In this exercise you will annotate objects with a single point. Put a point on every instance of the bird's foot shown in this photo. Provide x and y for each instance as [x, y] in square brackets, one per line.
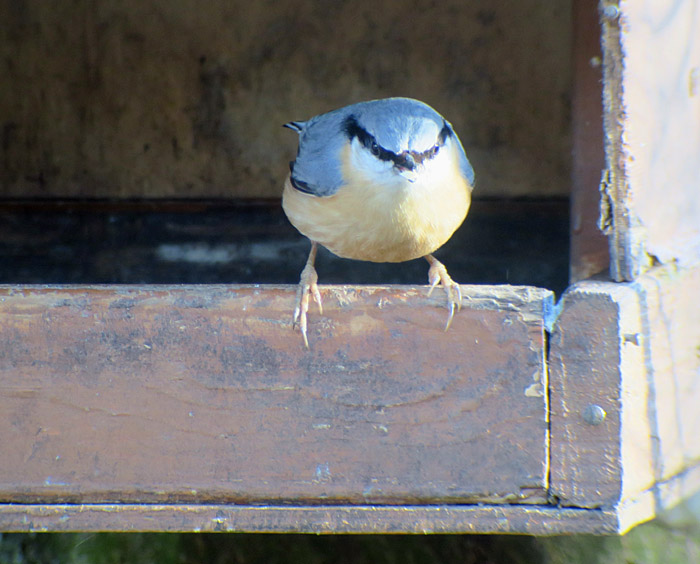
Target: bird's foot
[307, 288]
[437, 274]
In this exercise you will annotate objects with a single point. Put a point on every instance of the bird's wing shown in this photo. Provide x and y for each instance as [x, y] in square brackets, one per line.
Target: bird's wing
[317, 167]
[464, 165]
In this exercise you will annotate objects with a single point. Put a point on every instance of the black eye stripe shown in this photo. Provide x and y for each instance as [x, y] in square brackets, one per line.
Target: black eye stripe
[445, 132]
[354, 129]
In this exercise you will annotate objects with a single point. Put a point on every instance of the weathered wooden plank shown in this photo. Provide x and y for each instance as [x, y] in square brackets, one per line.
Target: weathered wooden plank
[584, 371]
[652, 125]
[524, 519]
[589, 247]
[624, 390]
[205, 393]
[670, 307]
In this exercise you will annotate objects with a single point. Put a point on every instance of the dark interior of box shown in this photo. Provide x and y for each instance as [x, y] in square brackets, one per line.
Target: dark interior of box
[503, 242]
[142, 144]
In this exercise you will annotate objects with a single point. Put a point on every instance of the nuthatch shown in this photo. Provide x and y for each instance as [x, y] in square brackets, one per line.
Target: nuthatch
[381, 181]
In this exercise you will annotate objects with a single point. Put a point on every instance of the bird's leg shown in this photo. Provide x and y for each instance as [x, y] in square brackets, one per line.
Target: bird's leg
[437, 274]
[307, 288]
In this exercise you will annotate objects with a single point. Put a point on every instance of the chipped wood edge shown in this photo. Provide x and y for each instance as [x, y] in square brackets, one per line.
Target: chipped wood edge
[533, 303]
[627, 237]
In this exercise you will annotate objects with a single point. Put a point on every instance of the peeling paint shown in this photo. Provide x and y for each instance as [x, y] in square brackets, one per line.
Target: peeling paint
[535, 390]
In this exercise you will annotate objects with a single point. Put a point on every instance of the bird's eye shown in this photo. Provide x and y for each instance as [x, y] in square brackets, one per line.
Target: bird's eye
[374, 148]
[436, 150]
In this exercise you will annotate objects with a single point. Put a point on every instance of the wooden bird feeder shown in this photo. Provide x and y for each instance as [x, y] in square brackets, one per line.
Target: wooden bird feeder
[195, 407]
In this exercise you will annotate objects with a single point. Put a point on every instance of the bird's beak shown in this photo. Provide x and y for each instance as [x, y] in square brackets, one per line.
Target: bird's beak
[406, 167]
[410, 175]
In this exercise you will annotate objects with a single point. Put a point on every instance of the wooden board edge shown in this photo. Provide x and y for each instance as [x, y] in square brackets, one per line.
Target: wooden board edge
[653, 380]
[533, 304]
[626, 237]
[509, 519]
[483, 295]
[584, 375]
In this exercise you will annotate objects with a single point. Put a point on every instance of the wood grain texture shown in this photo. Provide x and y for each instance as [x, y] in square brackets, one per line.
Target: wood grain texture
[206, 394]
[632, 349]
[589, 246]
[671, 323]
[585, 370]
[652, 125]
[524, 519]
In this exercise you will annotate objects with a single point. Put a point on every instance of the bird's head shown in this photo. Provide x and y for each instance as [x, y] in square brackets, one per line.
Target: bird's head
[387, 142]
[398, 137]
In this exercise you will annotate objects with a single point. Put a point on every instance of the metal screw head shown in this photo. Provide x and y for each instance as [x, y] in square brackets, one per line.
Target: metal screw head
[594, 414]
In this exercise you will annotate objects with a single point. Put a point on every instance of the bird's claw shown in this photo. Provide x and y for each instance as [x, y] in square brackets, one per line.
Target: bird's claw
[437, 274]
[308, 288]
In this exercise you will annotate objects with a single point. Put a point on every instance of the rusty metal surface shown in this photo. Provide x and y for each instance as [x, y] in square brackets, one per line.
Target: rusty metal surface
[524, 519]
[206, 394]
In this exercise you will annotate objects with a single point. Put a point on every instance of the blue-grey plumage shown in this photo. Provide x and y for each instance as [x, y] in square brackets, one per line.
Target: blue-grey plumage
[383, 181]
[397, 124]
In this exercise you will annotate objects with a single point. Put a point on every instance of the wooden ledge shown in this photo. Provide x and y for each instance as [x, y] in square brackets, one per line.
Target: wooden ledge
[524, 519]
[198, 408]
[201, 394]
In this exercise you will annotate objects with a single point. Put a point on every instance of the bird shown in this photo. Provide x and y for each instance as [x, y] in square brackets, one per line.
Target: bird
[384, 180]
